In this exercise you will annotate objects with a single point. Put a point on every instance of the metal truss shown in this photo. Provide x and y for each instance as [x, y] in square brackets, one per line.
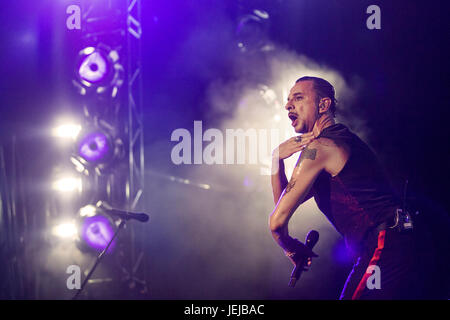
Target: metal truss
[117, 24]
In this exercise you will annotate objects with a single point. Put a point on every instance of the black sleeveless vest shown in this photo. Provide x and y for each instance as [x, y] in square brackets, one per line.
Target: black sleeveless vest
[360, 197]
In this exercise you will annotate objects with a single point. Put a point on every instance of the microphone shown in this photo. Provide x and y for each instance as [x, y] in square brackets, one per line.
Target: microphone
[124, 215]
[310, 241]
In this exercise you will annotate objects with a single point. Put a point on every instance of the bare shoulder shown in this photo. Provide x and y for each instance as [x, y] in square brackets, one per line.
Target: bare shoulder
[316, 151]
[334, 157]
[324, 143]
[322, 146]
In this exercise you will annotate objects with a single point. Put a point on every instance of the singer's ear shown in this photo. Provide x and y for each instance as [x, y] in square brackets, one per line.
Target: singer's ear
[324, 105]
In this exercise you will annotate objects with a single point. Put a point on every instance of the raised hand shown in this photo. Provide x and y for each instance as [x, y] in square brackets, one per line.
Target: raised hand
[293, 145]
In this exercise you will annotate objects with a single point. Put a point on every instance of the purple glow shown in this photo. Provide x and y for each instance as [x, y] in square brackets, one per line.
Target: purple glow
[93, 68]
[340, 253]
[94, 147]
[97, 231]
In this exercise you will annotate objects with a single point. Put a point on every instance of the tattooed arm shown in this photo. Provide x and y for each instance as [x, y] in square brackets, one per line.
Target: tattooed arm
[285, 150]
[311, 162]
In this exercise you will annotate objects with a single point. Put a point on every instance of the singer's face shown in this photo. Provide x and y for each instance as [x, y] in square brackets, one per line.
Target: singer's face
[302, 106]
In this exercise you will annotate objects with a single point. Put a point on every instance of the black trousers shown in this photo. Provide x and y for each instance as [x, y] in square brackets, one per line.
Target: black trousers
[395, 260]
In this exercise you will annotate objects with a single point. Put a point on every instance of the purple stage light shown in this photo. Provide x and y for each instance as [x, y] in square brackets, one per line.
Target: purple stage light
[99, 71]
[93, 68]
[94, 147]
[97, 231]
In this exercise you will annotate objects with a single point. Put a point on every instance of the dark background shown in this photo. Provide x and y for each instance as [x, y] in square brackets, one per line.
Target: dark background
[400, 72]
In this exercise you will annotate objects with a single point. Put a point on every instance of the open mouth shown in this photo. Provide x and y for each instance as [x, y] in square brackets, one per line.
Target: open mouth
[293, 118]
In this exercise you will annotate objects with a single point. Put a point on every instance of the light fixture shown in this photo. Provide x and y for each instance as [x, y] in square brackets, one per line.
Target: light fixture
[67, 184]
[67, 230]
[95, 229]
[99, 70]
[97, 147]
[68, 130]
[94, 67]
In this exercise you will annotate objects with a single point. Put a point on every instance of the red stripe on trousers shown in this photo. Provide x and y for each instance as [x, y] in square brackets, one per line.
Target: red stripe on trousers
[375, 258]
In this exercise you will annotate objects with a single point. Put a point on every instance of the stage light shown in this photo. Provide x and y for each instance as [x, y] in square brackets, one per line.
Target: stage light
[97, 148]
[98, 69]
[67, 184]
[93, 68]
[65, 230]
[95, 229]
[94, 147]
[78, 165]
[88, 211]
[67, 131]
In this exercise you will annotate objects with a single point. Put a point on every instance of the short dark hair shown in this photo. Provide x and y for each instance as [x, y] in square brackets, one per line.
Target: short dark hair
[324, 89]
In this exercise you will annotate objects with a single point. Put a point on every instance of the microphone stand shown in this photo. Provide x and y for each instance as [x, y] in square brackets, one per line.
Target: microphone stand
[99, 259]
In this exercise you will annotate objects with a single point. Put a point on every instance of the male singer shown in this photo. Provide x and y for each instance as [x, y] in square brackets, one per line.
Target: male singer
[342, 174]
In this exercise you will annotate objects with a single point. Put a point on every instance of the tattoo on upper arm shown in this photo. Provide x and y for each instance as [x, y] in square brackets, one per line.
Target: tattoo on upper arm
[307, 154]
